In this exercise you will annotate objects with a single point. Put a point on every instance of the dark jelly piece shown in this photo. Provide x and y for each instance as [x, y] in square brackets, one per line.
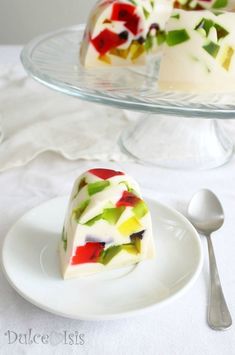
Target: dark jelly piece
[137, 235]
[123, 35]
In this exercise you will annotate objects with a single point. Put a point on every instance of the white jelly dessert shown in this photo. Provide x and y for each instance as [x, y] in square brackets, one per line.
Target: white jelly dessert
[198, 54]
[214, 5]
[107, 225]
[120, 33]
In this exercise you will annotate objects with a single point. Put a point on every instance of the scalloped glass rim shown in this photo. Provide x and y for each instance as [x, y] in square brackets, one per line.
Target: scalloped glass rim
[52, 59]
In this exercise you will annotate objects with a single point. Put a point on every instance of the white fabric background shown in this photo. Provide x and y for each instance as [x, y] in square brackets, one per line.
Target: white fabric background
[179, 328]
[23, 20]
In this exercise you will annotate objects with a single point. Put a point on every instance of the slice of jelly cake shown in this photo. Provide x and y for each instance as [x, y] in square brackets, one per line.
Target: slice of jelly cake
[122, 32]
[199, 52]
[107, 225]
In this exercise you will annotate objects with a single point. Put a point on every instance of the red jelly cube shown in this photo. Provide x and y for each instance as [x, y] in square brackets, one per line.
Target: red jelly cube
[105, 173]
[107, 40]
[125, 13]
[88, 253]
[133, 24]
[122, 12]
[128, 199]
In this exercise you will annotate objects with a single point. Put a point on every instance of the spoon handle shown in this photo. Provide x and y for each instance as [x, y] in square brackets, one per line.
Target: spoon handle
[219, 317]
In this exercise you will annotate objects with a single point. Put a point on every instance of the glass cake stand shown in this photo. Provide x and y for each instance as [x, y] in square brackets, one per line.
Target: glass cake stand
[177, 130]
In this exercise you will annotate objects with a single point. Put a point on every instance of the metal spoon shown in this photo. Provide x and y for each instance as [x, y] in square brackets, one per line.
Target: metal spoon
[207, 215]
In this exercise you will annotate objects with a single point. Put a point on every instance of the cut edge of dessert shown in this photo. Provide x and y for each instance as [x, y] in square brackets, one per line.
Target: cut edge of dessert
[199, 52]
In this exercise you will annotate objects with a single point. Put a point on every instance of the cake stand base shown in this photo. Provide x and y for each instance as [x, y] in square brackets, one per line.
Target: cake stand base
[178, 143]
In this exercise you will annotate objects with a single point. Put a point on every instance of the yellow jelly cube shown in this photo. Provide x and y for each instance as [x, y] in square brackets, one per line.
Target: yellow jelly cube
[122, 53]
[226, 57]
[130, 226]
[105, 58]
[136, 50]
[138, 53]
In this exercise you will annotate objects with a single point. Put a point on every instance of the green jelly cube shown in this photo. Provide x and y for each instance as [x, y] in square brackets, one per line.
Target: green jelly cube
[140, 210]
[98, 186]
[212, 49]
[161, 37]
[93, 220]
[146, 13]
[112, 215]
[204, 24]
[148, 43]
[108, 254]
[176, 37]
[78, 211]
[65, 244]
[220, 4]
[176, 16]
[64, 239]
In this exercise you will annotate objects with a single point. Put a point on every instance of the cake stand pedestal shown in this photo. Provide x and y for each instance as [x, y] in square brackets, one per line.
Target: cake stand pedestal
[178, 130]
[179, 144]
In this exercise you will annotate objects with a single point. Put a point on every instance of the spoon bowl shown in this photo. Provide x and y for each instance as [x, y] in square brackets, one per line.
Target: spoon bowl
[206, 212]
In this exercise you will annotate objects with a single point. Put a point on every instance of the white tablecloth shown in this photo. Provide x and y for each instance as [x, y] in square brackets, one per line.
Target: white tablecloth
[180, 328]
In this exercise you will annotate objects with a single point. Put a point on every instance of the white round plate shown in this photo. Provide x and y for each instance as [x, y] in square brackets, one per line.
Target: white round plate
[31, 264]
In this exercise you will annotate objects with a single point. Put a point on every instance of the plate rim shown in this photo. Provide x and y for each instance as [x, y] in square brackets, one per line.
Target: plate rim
[111, 316]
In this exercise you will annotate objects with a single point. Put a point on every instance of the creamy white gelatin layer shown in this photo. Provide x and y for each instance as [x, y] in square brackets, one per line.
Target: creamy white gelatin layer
[107, 225]
[214, 5]
[199, 52]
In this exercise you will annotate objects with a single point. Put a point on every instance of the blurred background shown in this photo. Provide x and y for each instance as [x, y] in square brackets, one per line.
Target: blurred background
[22, 20]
